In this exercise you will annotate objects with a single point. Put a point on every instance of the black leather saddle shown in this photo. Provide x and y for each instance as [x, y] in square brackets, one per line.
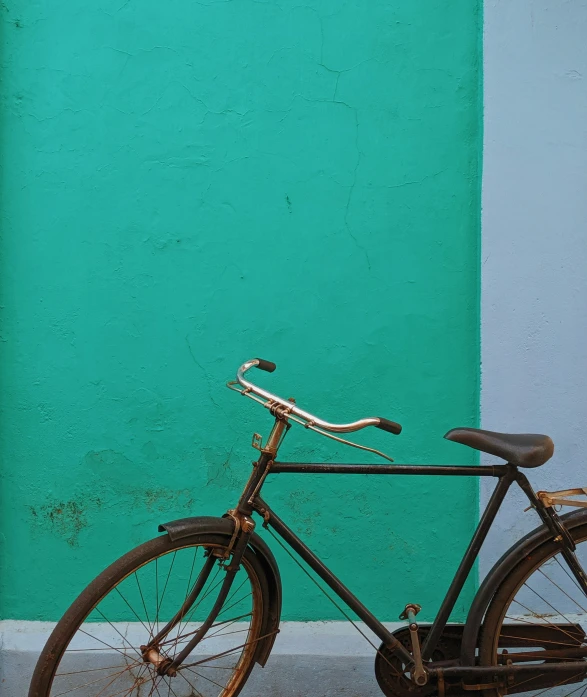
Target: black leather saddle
[522, 449]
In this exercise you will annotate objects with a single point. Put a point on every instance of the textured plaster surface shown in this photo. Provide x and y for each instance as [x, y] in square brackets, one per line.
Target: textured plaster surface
[534, 246]
[189, 185]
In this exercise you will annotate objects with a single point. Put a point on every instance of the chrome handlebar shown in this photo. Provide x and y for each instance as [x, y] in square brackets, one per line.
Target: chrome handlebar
[309, 419]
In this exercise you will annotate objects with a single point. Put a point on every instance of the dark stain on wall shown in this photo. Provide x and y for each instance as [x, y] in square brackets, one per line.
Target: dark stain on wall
[64, 518]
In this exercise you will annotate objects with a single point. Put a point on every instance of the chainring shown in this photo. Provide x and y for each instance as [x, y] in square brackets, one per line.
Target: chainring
[390, 671]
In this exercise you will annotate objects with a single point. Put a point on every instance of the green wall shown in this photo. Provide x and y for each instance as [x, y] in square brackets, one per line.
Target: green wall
[186, 185]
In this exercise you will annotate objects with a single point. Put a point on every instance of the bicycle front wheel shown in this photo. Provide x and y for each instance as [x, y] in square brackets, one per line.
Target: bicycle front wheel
[537, 617]
[98, 647]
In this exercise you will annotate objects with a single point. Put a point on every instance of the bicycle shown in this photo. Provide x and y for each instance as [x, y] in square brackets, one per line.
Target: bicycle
[191, 612]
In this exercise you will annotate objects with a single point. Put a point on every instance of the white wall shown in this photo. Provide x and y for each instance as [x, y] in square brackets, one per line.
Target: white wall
[534, 240]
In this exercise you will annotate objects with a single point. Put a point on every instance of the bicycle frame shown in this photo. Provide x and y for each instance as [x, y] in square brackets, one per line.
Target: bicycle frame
[505, 474]
[250, 501]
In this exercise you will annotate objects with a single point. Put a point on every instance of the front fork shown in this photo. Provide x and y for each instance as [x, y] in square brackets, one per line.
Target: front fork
[244, 526]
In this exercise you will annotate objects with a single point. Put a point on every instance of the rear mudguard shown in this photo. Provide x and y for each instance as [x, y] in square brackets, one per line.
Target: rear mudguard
[524, 547]
[184, 527]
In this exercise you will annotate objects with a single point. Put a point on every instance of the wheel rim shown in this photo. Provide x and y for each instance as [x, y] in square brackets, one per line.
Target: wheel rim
[105, 656]
[545, 613]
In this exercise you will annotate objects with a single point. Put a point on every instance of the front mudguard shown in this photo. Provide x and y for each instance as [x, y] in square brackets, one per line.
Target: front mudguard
[523, 548]
[184, 527]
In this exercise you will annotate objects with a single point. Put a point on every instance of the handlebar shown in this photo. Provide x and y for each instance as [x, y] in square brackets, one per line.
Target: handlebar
[310, 419]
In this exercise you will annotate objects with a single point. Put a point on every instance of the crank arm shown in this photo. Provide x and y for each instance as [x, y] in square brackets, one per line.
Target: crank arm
[418, 672]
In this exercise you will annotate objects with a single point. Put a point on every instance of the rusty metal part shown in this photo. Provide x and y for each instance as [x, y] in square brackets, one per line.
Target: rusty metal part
[257, 442]
[261, 510]
[161, 662]
[251, 499]
[418, 672]
[412, 608]
[393, 675]
[280, 428]
[242, 523]
[236, 517]
[440, 683]
[480, 686]
[560, 498]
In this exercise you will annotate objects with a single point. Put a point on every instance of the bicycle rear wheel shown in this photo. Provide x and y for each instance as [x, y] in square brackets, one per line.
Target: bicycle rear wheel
[539, 616]
[97, 649]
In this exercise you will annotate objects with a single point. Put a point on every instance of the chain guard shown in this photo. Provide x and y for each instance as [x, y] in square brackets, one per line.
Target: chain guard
[390, 672]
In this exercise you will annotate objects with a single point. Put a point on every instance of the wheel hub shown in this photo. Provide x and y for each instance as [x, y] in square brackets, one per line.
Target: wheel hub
[159, 661]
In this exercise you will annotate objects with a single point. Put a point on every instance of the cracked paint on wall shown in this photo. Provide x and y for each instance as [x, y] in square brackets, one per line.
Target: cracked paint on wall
[189, 185]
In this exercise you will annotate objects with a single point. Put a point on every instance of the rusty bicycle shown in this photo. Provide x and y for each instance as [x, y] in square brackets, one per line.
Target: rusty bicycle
[191, 612]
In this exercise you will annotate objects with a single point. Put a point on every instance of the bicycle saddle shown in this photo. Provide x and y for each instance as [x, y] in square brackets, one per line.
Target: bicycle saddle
[522, 449]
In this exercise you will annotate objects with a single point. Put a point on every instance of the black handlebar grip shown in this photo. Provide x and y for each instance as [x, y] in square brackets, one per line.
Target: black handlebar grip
[267, 366]
[390, 426]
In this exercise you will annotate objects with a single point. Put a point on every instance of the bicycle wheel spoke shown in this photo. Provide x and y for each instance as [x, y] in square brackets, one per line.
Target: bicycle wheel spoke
[248, 595]
[196, 691]
[133, 610]
[93, 682]
[186, 620]
[125, 648]
[236, 631]
[531, 639]
[157, 688]
[187, 592]
[562, 591]
[224, 623]
[120, 649]
[124, 639]
[558, 684]
[225, 653]
[101, 692]
[87, 670]
[222, 687]
[550, 605]
[234, 592]
[156, 596]
[573, 579]
[166, 582]
[201, 600]
[144, 604]
[547, 622]
[170, 689]
[139, 682]
[237, 602]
